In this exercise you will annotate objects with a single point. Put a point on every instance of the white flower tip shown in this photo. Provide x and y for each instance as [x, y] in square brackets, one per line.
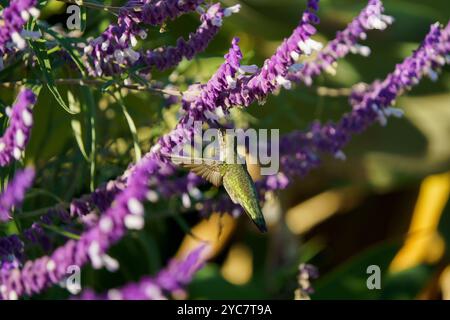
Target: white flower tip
[13, 295]
[340, 155]
[251, 69]
[88, 49]
[284, 82]
[133, 41]
[8, 111]
[94, 255]
[114, 294]
[217, 21]
[106, 224]
[143, 34]
[219, 112]
[34, 12]
[330, 70]
[231, 82]
[20, 138]
[111, 264]
[375, 22]
[134, 222]
[105, 45]
[17, 153]
[153, 292]
[18, 40]
[394, 112]
[295, 56]
[152, 196]
[135, 206]
[387, 19]
[186, 200]
[310, 45]
[362, 50]
[230, 10]
[51, 265]
[25, 15]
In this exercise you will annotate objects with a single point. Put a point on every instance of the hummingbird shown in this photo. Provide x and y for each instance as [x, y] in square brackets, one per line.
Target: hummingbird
[230, 173]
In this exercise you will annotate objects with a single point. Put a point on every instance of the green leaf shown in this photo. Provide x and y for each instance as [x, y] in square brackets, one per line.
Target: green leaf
[83, 18]
[62, 232]
[132, 126]
[46, 67]
[76, 125]
[92, 137]
[67, 45]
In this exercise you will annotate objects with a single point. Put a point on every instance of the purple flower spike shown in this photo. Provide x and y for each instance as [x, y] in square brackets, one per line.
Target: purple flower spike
[170, 281]
[12, 20]
[371, 17]
[113, 52]
[243, 89]
[14, 193]
[167, 57]
[16, 136]
[369, 106]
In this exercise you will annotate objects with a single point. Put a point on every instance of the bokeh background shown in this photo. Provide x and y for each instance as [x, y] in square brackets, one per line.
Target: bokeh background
[386, 205]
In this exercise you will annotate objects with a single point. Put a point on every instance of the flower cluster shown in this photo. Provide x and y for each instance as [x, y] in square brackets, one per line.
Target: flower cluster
[218, 95]
[14, 193]
[306, 273]
[171, 280]
[371, 106]
[12, 21]
[371, 17]
[167, 57]
[113, 51]
[11, 252]
[16, 136]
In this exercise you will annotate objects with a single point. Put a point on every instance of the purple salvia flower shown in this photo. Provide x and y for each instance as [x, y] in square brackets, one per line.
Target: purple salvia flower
[371, 17]
[16, 136]
[125, 213]
[170, 281]
[11, 251]
[306, 273]
[300, 150]
[14, 192]
[113, 52]
[155, 13]
[12, 21]
[245, 89]
[167, 57]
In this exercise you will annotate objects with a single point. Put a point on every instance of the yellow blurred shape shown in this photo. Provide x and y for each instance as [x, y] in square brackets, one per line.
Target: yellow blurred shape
[238, 266]
[424, 244]
[52, 7]
[444, 281]
[215, 231]
[313, 211]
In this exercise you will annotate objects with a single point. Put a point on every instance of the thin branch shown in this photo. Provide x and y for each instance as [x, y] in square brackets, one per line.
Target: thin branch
[91, 5]
[96, 82]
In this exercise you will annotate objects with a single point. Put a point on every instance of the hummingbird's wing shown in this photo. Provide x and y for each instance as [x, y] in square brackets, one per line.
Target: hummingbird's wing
[208, 169]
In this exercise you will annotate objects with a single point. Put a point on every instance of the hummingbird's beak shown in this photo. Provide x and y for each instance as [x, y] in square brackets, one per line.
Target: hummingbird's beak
[260, 224]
